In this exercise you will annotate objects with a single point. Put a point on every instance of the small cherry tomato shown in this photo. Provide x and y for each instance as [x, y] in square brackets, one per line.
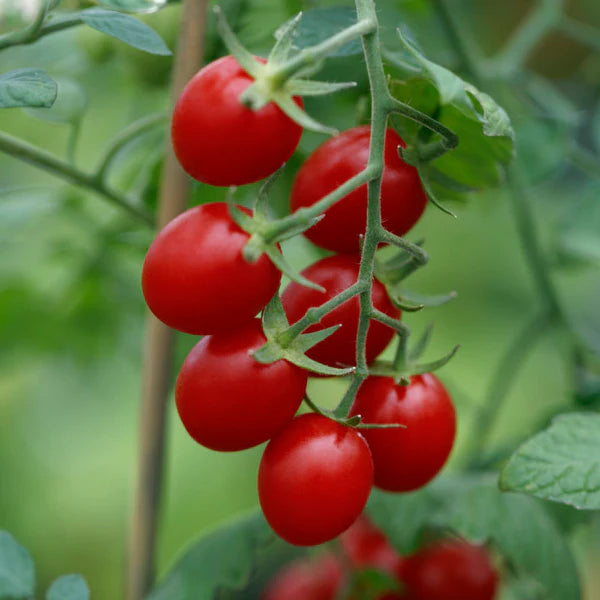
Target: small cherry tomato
[229, 401]
[195, 278]
[220, 141]
[307, 579]
[314, 479]
[337, 160]
[335, 274]
[407, 458]
[450, 570]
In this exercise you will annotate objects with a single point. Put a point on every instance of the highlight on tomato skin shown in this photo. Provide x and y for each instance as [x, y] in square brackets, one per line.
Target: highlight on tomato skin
[336, 274]
[338, 159]
[314, 479]
[228, 401]
[195, 278]
[218, 140]
[407, 458]
[450, 569]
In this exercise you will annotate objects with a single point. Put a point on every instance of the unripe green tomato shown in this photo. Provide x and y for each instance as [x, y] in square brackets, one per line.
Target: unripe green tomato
[150, 69]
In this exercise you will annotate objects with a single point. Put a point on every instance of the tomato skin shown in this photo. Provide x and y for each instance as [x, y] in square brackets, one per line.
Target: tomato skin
[407, 459]
[307, 579]
[450, 570]
[227, 400]
[195, 278]
[335, 274]
[340, 158]
[314, 479]
[218, 140]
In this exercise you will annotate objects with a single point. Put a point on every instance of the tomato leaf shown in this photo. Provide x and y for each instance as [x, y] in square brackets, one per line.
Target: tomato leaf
[68, 587]
[218, 562]
[27, 87]
[471, 505]
[319, 24]
[562, 463]
[133, 6]
[17, 573]
[70, 104]
[126, 28]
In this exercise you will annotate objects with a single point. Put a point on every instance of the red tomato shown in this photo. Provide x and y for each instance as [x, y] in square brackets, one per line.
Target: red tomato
[307, 580]
[450, 570]
[195, 278]
[229, 401]
[314, 479]
[366, 547]
[335, 274]
[218, 140]
[340, 158]
[406, 459]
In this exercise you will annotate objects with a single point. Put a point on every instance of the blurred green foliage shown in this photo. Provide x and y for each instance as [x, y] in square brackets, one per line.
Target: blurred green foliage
[71, 309]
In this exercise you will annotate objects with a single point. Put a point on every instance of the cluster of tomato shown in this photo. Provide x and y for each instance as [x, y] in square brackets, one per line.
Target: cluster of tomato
[316, 474]
[446, 569]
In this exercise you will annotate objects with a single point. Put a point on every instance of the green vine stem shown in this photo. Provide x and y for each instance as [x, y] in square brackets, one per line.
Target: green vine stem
[37, 157]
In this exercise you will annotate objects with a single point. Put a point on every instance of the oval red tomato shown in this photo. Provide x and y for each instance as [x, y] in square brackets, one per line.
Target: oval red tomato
[229, 401]
[314, 479]
[195, 278]
[220, 141]
[307, 579]
[450, 570]
[335, 274]
[340, 158]
[406, 459]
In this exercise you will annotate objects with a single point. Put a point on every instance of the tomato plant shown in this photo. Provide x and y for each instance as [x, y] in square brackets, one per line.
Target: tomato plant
[220, 141]
[336, 274]
[227, 400]
[403, 199]
[194, 270]
[407, 458]
[314, 479]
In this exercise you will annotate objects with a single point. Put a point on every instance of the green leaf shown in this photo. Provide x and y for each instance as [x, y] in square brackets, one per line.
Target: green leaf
[219, 561]
[518, 526]
[562, 463]
[27, 87]
[133, 6]
[318, 24]
[68, 587]
[273, 318]
[70, 104]
[126, 28]
[17, 573]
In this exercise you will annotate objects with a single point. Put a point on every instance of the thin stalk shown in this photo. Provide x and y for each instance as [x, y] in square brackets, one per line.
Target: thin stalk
[41, 159]
[503, 378]
[34, 33]
[159, 344]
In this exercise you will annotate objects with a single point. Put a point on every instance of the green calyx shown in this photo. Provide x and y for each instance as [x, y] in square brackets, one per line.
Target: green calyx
[281, 78]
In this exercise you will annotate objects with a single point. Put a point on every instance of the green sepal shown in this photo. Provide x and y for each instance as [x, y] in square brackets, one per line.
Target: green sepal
[402, 375]
[262, 206]
[244, 220]
[412, 302]
[432, 197]
[417, 350]
[244, 58]
[294, 112]
[306, 87]
[275, 322]
[290, 232]
[282, 264]
[285, 40]
[429, 367]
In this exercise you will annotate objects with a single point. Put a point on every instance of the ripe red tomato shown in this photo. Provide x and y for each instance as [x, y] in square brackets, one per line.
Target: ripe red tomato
[335, 274]
[195, 278]
[406, 459]
[307, 579]
[218, 140]
[340, 158]
[229, 401]
[366, 547]
[314, 479]
[450, 570]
